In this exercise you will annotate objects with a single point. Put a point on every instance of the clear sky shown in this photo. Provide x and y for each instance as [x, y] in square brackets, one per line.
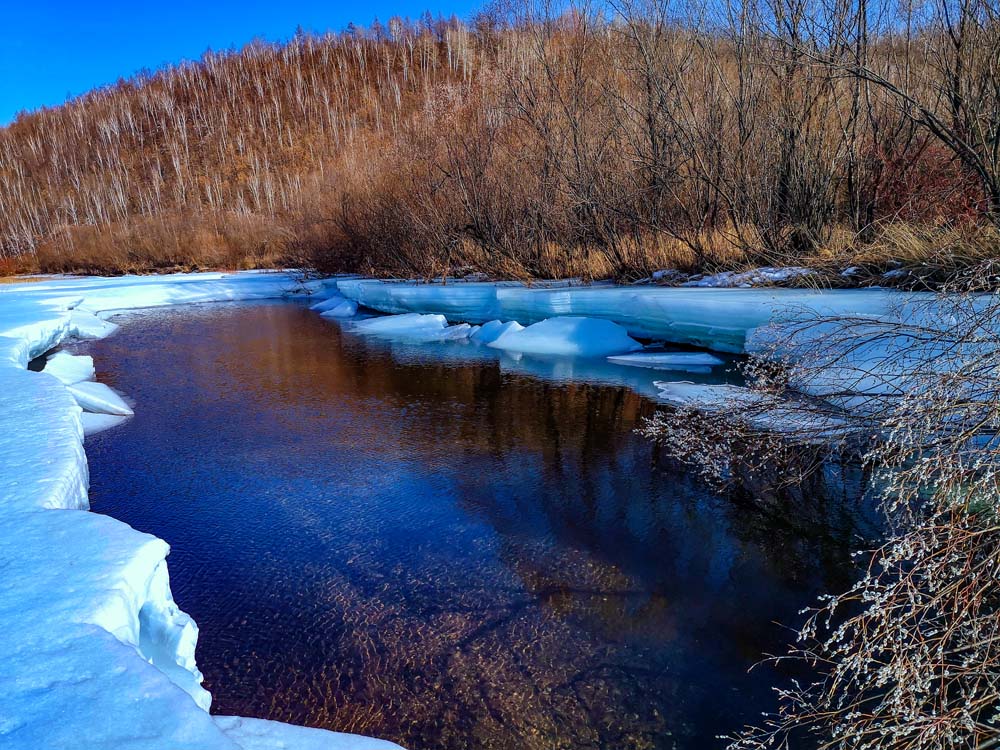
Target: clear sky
[53, 49]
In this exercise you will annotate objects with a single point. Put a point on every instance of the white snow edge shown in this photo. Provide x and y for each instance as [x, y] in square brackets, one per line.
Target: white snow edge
[96, 654]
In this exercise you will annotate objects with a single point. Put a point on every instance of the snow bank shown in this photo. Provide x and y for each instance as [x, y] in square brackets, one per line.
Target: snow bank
[568, 336]
[95, 652]
[765, 276]
[713, 318]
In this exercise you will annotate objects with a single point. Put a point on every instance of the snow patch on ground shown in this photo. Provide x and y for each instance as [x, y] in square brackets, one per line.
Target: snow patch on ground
[95, 652]
[765, 276]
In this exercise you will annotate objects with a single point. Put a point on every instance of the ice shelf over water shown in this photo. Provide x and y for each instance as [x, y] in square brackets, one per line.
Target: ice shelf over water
[717, 319]
[853, 347]
[95, 652]
[681, 361]
[762, 411]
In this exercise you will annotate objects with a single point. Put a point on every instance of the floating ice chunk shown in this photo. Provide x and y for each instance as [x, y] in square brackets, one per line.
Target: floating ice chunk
[491, 331]
[94, 423]
[413, 328]
[329, 303]
[70, 368]
[344, 308]
[460, 332]
[762, 411]
[85, 325]
[399, 323]
[682, 361]
[98, 398]
[568, 336]
[259, 734]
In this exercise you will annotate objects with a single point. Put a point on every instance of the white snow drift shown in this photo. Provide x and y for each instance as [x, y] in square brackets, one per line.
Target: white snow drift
[95, 652]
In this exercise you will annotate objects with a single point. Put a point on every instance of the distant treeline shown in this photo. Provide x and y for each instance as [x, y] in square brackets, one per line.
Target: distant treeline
[535, 141]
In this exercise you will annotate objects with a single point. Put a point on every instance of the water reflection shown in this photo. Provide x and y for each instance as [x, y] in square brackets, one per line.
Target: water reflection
[443, 547]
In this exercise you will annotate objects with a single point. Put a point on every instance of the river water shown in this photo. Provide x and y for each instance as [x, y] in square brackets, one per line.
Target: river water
[442, 549]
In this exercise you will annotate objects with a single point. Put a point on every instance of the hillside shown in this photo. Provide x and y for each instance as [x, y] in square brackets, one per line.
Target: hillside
[526, 145]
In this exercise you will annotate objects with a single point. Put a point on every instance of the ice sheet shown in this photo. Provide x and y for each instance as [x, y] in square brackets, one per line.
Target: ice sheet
[256, 734]
[95, 423]
[760, 410]
[344, 308]
[494, 329]
[717, 319]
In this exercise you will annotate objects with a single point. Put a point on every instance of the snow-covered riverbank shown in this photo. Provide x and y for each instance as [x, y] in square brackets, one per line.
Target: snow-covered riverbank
[96, 654]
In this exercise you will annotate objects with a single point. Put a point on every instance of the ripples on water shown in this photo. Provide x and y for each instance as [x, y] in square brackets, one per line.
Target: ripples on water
[400, 542]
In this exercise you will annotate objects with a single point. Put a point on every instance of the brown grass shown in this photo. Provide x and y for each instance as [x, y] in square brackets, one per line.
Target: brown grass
[521, 146]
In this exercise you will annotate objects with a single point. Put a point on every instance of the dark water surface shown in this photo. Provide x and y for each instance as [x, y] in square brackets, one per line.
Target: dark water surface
[440, 552]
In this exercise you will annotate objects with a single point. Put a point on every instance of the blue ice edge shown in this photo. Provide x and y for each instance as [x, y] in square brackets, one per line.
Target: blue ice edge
[95, 652]
[717, 319]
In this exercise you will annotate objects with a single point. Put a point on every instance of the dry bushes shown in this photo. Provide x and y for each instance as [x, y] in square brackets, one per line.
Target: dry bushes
[525, 144]
[909, 657]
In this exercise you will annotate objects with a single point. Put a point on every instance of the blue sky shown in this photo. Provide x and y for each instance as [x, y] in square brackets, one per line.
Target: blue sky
[51, 49]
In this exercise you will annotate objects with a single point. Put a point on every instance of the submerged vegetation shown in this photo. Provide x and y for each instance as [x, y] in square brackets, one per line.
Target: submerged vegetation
[535, 141]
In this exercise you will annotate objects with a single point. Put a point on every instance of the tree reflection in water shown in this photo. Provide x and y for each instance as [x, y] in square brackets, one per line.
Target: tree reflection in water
[428, 546]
